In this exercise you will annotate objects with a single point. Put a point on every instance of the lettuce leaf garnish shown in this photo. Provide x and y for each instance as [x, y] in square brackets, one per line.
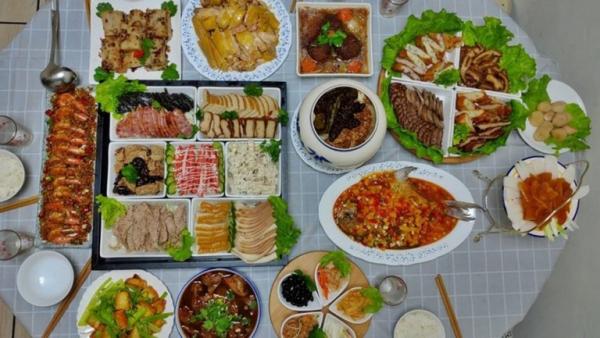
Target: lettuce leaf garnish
[109, 91]
[375, 297]
[492, 34]
[287, 232]
[184, 251]
[447, 77]
[110, 210]
[339, 260]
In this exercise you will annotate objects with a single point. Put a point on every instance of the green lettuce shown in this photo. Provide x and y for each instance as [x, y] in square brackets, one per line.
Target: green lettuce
[492, 34]
[519, 66]
[109, 91]
[339, 260]
[536, 92]
[461, 133]
[376, 301]
[429, 22]
[448, 77]
[406, 138]
[579, 121]
[184, 251]
[110, 209]
[287, 233]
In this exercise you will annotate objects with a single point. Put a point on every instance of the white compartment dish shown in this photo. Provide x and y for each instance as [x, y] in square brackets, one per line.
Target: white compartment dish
[333, 295]
[333, 5]
[109, 245]
[557, 91]
[112, 175]
[97, 33]
[319, 318]
[333, 308]
[333, 324]
[229, 178]
[222, 158]
[313, 305]
[346, 158]
[193, 216]
[273, 92]
[190, 115]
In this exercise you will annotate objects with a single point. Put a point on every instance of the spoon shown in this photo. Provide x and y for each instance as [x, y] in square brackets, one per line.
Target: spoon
[54, 77]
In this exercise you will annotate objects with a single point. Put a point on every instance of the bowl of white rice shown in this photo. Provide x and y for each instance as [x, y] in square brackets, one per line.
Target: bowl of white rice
[419, 324]
[12, 175]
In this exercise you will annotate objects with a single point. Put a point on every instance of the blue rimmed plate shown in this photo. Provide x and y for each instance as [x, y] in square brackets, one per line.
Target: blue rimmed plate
[191, 49]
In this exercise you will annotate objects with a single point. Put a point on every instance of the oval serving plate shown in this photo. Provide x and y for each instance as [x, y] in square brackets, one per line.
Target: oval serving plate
[395, 257]
[84, 331]
[192, 51]
[557, 91]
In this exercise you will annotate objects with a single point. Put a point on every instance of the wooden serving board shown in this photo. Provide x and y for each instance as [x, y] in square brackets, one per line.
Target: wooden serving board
[446, 160]
[307, 263]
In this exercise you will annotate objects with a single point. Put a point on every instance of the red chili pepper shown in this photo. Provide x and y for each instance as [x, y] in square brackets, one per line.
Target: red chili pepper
[138, 54]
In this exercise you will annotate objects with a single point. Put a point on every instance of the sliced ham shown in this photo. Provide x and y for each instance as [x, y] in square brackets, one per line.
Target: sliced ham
[149, 122]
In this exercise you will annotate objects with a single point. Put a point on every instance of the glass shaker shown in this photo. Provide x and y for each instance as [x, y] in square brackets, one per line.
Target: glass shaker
[393, 290]
[389, 8]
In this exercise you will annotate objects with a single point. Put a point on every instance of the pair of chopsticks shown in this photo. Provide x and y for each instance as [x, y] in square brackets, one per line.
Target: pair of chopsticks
[439, 281]
[19, 203]
[64, 305]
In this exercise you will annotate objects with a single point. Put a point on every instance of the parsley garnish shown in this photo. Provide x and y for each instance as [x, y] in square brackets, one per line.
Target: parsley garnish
[103, 7]
[253, 89]
[310, 284]
[335, 39]
[199, 114]
[283, 116]
[130, 173]
[317, 332]
[170, 6]
[271, 148]
[146, 46]
[100, 74]
[215, 317]
[170, 73]
[156, 105]
[229, 115]
[184, 251]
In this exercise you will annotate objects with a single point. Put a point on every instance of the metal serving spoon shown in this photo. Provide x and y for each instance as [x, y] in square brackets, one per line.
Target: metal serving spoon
[55, 77]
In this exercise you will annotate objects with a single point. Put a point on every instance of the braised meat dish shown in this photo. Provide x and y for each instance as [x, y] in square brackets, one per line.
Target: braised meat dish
[480, 68]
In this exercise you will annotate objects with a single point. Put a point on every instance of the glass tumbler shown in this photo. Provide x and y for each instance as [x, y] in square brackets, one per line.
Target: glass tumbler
[12, 133]
[13, 243]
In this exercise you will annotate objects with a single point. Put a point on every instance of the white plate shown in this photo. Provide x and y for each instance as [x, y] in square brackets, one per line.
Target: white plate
[273, 92]
[395, 257]
[313, 305]
[97, 33]
[227, 180]
[330, 318]
[318, 314]
[190, 115]
[21, 173]
[191, 49]
[175, 144]
[84, 331]
[311, 158]
[433, 317]
[539, 160]
[333, 5]
[112, 175]
[333, 308]
[558, 91]
[108, 240]
[45, 278]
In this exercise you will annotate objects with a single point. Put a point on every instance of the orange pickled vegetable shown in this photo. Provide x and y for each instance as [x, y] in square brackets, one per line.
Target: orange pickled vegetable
[345, 14]
[355, 66]
[541, 194]
[308, 65]
[322, 280]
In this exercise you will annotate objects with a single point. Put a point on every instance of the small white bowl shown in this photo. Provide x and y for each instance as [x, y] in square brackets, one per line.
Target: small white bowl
[333, 309]
[340, 158]
[313, 305]
[332, 295]
[45, 278]
[318, 314]
[329, 318]
[21, 173]
[398, 328]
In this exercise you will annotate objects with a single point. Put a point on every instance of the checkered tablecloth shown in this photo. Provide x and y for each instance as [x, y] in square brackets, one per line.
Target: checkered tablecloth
[492, 283]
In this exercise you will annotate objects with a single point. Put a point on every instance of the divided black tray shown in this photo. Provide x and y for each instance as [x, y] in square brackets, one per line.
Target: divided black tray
[103, 140]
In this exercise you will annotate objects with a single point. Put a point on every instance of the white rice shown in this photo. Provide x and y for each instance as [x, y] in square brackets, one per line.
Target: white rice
[12, 176]
[418, 324]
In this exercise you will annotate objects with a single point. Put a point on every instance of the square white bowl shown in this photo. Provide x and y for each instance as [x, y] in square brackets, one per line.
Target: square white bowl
[190, 115]
[227, 181]
[97, 33]
[107, 238]
[274, 92]
[334, 5]
[175, 144]
[112, 175]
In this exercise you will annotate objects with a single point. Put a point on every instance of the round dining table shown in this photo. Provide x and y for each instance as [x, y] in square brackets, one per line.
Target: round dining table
[492, 283]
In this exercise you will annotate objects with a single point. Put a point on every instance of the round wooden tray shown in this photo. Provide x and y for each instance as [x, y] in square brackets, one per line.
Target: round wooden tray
[307, 264]
[446, 160]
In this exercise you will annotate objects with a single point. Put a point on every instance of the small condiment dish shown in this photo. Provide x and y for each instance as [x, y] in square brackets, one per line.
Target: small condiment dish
[302, 314]
[313, 305]
[335, 321]
[332, 295]
[333, 308]
[45, 278]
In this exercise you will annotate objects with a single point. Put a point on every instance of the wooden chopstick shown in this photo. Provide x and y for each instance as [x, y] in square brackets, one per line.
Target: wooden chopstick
[439, 281]
[19, 203]
[64, 305]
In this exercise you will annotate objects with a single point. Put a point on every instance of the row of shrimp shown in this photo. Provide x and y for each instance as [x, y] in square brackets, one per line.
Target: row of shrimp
[68, 176]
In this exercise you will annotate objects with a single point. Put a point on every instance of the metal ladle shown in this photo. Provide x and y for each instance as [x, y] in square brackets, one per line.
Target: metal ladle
[54, 77]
